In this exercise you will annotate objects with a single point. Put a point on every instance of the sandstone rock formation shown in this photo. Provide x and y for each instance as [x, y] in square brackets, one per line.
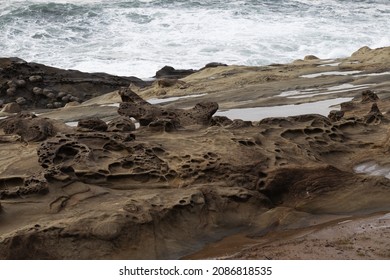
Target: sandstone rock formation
[34, 85]
[170, 72]
[106, 190]
[147, 113]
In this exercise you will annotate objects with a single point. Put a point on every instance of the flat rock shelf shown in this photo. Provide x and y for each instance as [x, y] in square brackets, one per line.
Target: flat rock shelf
[227, 162]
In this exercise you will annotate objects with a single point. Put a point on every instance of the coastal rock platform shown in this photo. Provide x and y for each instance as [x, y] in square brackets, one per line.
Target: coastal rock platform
[227, 162]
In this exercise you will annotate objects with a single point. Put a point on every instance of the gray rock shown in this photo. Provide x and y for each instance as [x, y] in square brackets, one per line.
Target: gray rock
[20, 83]
[61, 94]
[21, 100]
[57, 104]
[35, 79]
[51, 95]
[11, 91]
[37, 90]
[11, 108]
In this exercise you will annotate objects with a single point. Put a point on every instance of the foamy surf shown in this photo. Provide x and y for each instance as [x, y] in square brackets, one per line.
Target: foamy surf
[139, 37]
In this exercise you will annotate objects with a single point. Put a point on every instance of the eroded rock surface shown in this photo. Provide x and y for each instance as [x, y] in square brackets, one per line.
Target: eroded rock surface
[34, 85]
[29, 127]
[106, 190]
[147, 113]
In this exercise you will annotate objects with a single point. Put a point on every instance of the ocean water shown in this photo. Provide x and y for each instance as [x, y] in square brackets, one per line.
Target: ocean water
[139, 37]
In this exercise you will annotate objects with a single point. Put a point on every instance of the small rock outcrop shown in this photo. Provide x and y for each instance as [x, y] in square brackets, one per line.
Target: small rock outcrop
[11, 108]
[121, 124]
[374, 116]
[134, 106]
[30, 127]
[170, 72]
[34, 85]
[369, 96]
[92, 124]
[335, 115]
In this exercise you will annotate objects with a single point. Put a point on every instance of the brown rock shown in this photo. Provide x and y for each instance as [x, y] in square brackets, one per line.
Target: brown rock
[170, 72]
[214, 64]
[163, 125]
[11, 108]
[135, 107]
[35, 78]
[11, 91]
[335, 115]
[81, 86]
[167, 82]
[20, 83]
[29, 127]
[369, 96]
[310, 57]
[92, 124]
[21, 100]
[121, 124]
[374, 116]
[37, 90]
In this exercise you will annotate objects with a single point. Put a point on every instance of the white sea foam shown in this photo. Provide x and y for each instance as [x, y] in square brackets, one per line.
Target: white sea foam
[139, 37]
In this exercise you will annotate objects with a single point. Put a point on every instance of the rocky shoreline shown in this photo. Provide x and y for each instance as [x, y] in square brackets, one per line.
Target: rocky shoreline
[95, 166]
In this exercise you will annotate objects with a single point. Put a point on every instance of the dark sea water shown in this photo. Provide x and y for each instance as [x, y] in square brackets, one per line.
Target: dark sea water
[139, 37]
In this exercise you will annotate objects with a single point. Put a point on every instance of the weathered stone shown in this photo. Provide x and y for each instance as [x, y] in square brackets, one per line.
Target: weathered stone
[374, 116]
[335, 115]
[163, 125]
[92, 124]
[11, 84]
[62, 94]
[35, 78]
[51, 95]
[135, 107]
[11, 91]
[29, 127]
[28, 77]
[20, 83]
[369, 96]
[21, 100]
[57, 105]
[121, 124]
[214, 64]
[74, 99]
[310, 57]
[167, 82]
[11, 108]
[37, 90]
[65, 99]
[170, 72]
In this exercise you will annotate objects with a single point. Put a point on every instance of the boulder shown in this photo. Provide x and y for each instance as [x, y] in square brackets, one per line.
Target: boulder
[29, 127]
[170, 72]
[92, 124]
[11, 108]
[310, 57]
[40, 84]
[214, 64]
[335, 115]
[121, 124]
[369, 96]
[374, 116]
